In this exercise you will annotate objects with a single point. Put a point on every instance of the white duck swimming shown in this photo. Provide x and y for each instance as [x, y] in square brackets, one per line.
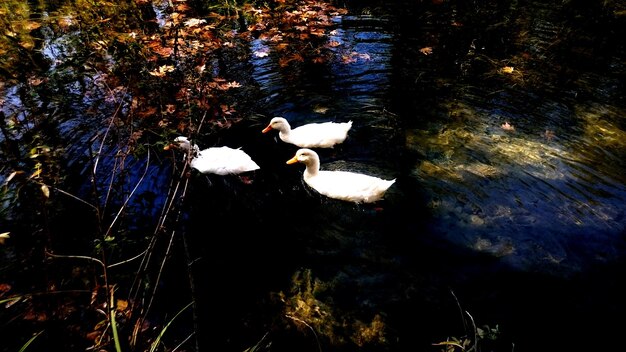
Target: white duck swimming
[344, 185]
[313, 135]
[215, 160]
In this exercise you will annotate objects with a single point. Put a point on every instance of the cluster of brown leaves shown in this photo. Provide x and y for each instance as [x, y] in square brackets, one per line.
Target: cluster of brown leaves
[184, 36]
[298, 31]
[177, 53]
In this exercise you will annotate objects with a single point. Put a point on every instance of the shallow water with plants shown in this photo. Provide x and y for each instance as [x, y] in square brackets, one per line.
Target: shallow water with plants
[501, 122]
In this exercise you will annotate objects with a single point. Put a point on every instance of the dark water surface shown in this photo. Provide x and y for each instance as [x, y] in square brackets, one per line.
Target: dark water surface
[522, 228]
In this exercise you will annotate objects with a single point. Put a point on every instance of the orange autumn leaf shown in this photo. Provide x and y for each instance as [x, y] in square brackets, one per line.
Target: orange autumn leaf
[170, 108]
[182, 7]
[346, 59]
[122, 304]
[426, 50]
[320, 32]
[276, 38]
[181, 126]
[147, 112]
[163, 52]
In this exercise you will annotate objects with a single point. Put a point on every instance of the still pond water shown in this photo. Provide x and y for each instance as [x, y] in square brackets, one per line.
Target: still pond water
[504, 126]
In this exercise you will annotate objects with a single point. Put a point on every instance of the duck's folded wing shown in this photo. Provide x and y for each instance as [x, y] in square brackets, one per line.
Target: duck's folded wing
[349, 186]
[321, 134]
[224, 161]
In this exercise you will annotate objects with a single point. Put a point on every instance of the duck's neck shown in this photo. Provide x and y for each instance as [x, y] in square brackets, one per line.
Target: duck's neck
[312, 168]
[285, 132]
[195, 150]
[191, 150]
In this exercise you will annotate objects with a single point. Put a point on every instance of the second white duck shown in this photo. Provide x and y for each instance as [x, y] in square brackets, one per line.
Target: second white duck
[215, 160]
[313, 135]
[344, 185]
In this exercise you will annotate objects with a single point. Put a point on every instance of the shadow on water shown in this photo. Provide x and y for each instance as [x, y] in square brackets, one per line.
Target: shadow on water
[503, 126]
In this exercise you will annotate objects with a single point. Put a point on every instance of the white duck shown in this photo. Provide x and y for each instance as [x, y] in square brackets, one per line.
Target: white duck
[313, 135]
[344, 185]
[215, 160]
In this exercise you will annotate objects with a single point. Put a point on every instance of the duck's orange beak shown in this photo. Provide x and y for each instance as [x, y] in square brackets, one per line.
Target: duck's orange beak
[169, 146]
[267, 129]
[292, 160]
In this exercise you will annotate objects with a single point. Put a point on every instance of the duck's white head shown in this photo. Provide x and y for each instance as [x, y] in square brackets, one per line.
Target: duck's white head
[305, 156]
[184, 144]
[180, 143]
[277, 123]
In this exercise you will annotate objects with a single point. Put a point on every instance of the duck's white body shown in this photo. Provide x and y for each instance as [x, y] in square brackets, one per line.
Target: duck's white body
[216, 160]
[313, 135]
[344, 185]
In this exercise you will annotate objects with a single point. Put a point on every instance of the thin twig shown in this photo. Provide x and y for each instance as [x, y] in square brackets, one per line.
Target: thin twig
[460, 310]
[119, 212]
[202, 121]
[102, 142]
[72, 196]
[127, 260]
[77, 257]
[475, 347]
[182, 342]
[110, 188]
